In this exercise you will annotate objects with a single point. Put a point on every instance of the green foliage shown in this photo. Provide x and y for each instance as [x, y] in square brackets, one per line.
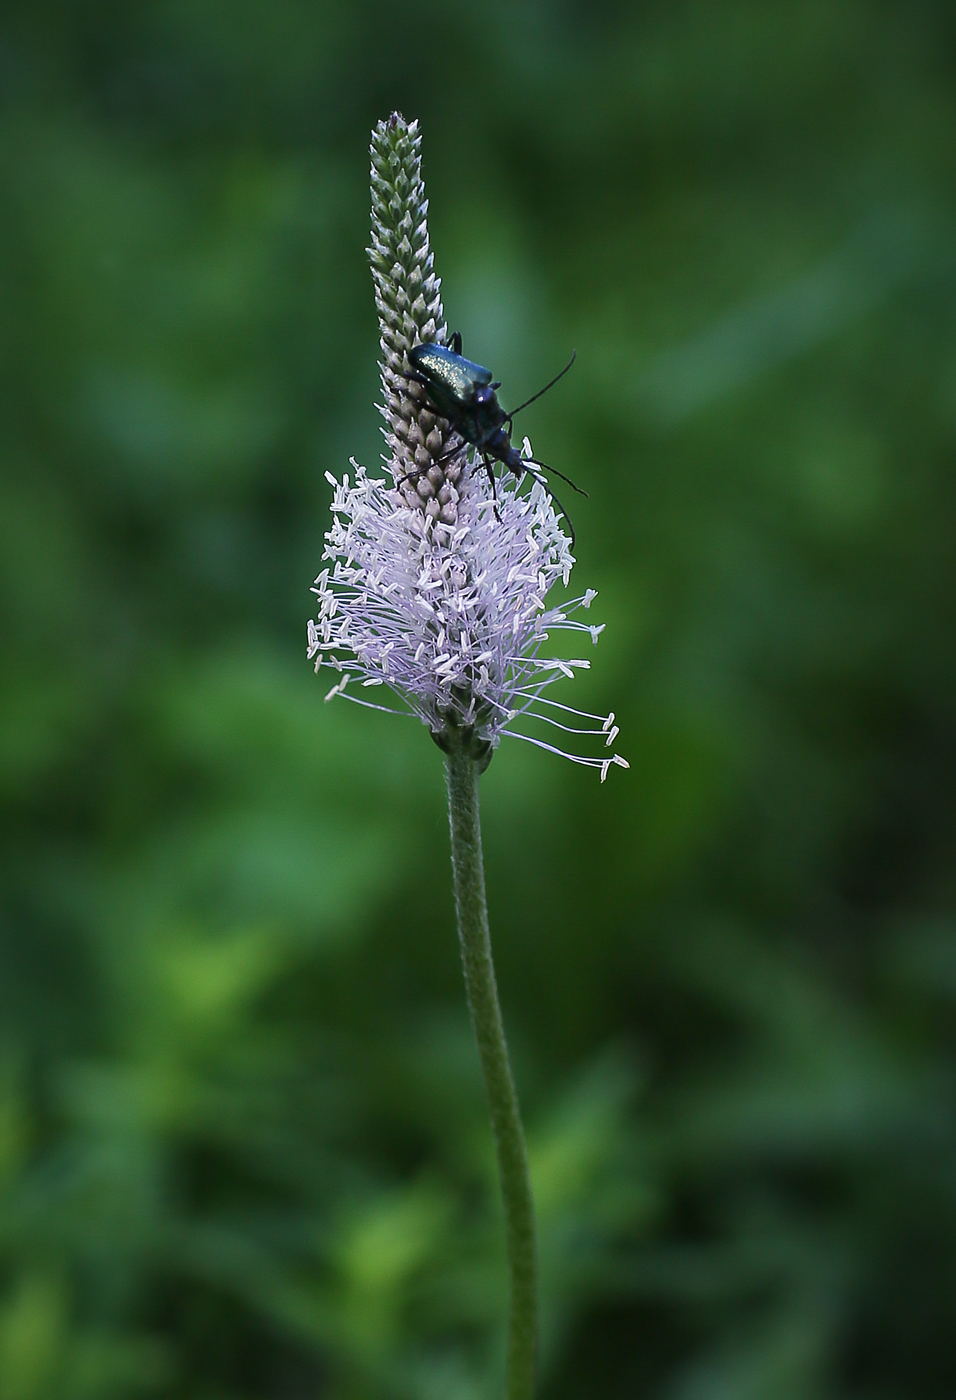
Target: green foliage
[243, 1148]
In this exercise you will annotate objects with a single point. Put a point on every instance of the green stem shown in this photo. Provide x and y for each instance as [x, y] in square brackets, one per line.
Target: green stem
[482, 992]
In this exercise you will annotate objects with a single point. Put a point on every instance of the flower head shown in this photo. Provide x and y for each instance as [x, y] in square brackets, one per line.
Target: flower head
[435, 588]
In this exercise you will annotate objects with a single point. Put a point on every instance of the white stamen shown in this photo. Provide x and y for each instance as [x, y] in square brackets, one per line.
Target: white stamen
[453, 620]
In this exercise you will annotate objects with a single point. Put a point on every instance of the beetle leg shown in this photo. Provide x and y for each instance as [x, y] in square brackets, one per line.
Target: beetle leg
[486, 463]
[447, 456]
[418, 472]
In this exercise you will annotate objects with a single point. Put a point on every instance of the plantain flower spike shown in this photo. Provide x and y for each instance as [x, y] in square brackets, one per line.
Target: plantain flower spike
[426, 590]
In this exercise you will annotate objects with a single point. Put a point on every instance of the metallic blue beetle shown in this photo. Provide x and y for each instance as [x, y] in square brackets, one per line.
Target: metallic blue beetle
[464, 393]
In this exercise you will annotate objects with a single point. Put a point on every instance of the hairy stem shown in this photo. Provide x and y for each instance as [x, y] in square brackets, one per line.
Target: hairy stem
[482, 992]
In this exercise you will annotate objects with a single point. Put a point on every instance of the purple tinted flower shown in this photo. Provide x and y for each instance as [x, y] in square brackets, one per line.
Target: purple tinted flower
[431, 590]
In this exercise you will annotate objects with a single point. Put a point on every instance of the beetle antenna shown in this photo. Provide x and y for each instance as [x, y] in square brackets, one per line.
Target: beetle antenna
[550, 385]
[547, 486]
[574, 486]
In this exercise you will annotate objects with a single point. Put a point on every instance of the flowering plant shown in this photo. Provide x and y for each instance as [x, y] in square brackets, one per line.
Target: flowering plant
[436, 587]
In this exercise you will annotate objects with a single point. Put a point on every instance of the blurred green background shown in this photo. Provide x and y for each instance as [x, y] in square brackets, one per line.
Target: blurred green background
[243, 1146]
